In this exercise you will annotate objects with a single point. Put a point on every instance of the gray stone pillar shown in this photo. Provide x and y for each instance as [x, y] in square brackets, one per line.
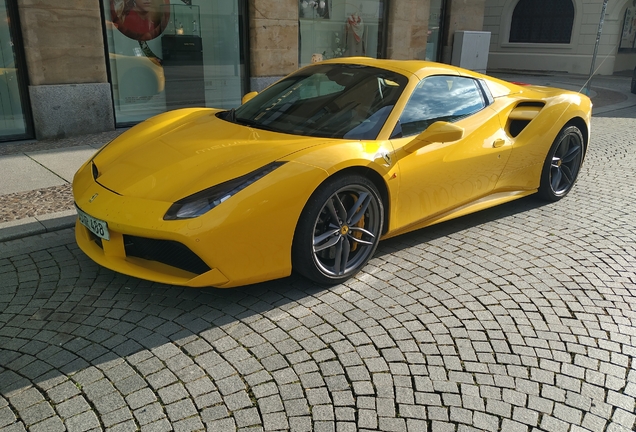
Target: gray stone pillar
[64, 48]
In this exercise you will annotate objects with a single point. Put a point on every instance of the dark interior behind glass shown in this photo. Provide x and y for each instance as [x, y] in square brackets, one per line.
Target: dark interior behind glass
[328, 100]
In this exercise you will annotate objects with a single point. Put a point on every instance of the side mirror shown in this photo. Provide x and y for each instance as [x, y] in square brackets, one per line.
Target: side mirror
[437, 132]
[248, 97]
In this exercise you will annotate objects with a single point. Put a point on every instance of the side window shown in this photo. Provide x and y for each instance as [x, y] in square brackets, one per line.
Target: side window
[439, 98]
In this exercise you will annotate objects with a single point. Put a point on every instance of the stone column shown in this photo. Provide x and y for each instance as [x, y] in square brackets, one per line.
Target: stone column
[461, 15]
[273, 40]
[408, 29]
[69, 89]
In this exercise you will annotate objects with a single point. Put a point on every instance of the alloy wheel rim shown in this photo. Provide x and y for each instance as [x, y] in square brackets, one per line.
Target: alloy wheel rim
[346, 231]
[565, 164]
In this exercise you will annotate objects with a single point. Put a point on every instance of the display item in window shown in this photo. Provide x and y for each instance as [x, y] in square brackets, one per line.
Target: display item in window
[354, 36]
[142, 20]
[314, 9]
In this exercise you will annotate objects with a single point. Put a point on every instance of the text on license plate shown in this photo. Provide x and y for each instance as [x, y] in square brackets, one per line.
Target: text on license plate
[96, 226]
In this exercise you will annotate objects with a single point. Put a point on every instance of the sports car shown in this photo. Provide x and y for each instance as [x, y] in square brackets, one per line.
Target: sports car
[311, 173]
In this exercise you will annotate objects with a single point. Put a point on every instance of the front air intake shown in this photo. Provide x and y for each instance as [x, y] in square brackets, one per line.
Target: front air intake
[167, 252]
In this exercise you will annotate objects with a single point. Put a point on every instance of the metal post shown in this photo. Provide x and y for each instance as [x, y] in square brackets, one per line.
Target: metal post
[588, 86]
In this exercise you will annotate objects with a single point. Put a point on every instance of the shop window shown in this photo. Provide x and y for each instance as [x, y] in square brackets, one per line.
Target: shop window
[169, 54]
[542, 21]
[14, 114]
[435, 20]
[339, 28]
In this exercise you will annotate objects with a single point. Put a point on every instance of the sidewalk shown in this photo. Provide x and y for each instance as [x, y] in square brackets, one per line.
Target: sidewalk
[36, 176]
[35, 183]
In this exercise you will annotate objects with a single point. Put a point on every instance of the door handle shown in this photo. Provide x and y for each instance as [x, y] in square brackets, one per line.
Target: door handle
[499, 143]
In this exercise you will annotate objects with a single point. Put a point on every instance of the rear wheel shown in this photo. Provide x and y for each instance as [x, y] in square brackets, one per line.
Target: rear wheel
[562, 164]
[339, 229]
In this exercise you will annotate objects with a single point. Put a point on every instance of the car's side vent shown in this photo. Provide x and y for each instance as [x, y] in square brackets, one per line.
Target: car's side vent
[522, 115]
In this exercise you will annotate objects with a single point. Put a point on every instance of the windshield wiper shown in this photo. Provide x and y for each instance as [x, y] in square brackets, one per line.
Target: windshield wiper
[230, 115]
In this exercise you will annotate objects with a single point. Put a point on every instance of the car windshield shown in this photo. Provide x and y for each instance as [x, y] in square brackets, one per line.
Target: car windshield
[327, 100]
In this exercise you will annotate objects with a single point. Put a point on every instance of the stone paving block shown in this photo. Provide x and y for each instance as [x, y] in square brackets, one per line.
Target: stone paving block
[6, 416]
[162, 425]
[26, 398]
[237, 401]
[211, 414]
[149, 413]
[190, 424]
[63, 391]
[15, 427]
[109, 402]
[127, 426]
[130, 384]
[118, 416]
[161, 379]
[180, 410]
[52, 424]
[72, 407]
[82, 422]
[221, 425]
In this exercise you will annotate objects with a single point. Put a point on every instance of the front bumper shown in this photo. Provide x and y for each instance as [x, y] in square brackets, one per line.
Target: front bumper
[245, 240]
[115, 255]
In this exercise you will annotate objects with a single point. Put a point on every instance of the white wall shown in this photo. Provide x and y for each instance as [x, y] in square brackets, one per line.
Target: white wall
[575, 57]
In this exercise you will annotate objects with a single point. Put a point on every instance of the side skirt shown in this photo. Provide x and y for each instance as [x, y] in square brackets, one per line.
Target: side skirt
[472, 207]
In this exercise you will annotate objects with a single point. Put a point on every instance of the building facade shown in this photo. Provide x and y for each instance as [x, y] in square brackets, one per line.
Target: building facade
[84, 66]
[560, 35]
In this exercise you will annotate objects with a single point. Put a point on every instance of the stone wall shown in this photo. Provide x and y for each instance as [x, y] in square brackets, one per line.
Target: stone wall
[63, 41]
[273, 40]
[408, 29]
[64, 51]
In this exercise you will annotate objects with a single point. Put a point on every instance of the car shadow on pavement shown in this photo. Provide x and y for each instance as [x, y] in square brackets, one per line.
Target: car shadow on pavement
[76, 325]
[456, 226]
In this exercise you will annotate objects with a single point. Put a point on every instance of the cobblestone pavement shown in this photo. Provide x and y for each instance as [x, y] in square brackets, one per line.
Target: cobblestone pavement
[519, 318]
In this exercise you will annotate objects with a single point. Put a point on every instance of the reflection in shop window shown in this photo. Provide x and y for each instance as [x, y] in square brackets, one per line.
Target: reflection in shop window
[169, 54]
[434, 30]
[338, 28]
[12, 117]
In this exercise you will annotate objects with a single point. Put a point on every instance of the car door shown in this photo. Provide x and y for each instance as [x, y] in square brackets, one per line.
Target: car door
[442, 176]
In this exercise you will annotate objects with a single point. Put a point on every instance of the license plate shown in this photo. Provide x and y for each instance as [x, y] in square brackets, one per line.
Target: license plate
[96, 226]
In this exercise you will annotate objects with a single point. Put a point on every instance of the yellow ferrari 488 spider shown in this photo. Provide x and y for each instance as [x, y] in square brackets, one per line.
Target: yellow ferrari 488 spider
[312, 172]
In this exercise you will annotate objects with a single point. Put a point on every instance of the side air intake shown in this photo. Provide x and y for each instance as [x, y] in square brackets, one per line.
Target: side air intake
[522, 115]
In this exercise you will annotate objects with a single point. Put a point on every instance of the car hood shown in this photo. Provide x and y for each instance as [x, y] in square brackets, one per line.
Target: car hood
[177, 154]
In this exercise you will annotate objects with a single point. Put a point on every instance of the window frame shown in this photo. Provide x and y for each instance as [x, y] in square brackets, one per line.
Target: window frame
[480, 87]
[531, 42]
[22, 75]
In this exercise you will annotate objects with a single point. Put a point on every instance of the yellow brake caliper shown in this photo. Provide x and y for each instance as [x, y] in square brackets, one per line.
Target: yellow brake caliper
[357, 234]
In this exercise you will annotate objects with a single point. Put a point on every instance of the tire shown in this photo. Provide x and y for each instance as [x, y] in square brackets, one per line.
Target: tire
[634, 81]
[339, 229]
[562, 164]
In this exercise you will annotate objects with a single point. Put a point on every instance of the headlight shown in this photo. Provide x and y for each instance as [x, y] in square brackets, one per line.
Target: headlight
[204, 201]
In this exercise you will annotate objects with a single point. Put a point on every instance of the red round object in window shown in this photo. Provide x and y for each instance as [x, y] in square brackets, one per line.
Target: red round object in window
[141, 20]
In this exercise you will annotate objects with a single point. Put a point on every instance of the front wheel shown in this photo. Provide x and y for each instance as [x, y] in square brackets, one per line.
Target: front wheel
[338, 230]
[562, 164]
